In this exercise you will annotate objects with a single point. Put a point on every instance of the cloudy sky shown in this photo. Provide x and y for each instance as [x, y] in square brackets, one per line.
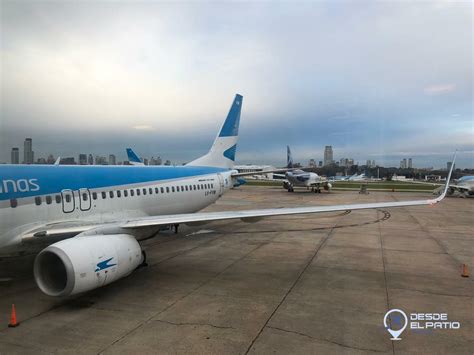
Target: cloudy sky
[381, 80]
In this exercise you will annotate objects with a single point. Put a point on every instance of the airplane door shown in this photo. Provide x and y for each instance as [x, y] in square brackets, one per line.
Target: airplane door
[84, 199]
[68, 201]
[221, 184]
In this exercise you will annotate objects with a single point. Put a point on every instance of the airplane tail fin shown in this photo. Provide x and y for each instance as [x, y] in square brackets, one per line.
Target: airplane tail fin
[133, 158]
[289, 158]
[222, 152]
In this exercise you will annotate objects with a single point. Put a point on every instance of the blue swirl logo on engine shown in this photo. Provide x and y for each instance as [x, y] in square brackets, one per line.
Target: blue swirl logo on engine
[104, 265]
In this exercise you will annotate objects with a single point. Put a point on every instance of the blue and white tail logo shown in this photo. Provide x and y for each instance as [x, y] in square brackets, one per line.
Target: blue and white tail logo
[133, 157]
[222, 152]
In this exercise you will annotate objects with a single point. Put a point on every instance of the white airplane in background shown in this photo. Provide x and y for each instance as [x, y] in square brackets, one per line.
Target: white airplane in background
[93, 217]
[464, 185]
[300, 178]
[357, 177]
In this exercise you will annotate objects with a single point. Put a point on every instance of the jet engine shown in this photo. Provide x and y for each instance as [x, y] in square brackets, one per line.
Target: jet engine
[84, 263]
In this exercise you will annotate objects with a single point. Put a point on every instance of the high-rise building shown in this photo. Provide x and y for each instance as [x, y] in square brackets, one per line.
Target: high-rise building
[68, 161]
[373, 164]
[320, 163]
[90, 160]
[448, 165]
[312, 163]
[410, 163]
[403, 163]
[112, 159]
[82, 159]
[50, 159]
[328, 155]
[15, 156]
[368, 163]
[99, 160]
[28, 154]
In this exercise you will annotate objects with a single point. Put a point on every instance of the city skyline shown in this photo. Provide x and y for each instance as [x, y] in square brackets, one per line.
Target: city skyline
[155, 76]
[101, 159]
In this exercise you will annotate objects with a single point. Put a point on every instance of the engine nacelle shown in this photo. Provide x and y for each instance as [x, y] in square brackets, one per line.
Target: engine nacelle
[327, 186]
[84, 263]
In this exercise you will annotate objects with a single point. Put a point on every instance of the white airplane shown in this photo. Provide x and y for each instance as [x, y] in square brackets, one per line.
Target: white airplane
[357, 177]
[89, 219]
[300, 178]
[463, 185]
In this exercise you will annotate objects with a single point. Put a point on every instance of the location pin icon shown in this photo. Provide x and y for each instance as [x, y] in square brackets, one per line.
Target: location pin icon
[395, 333]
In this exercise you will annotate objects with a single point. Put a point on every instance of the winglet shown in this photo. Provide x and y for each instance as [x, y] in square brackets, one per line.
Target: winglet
[448, 179]
[58, 160]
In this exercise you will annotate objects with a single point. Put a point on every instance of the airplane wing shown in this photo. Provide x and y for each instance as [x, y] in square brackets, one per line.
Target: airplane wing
[263, 172]
[255, 215]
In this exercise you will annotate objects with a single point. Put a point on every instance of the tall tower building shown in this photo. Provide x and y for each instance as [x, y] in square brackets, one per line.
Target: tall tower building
[328, 156]
[112, 159]
[15, 156]
[410, 163]
[90, 160]
[82, 159]
[28, 154]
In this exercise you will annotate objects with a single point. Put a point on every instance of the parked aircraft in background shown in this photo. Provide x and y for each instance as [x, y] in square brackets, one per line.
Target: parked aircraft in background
[93, 217]
[299, 178]
[133, 158]
[464, 186]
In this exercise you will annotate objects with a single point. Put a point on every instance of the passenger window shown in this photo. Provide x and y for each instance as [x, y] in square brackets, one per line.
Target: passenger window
[13, 203]
[138, 192]
[57, 198]
[104, 195]
[172, 189]
[119, 193]
[111, 194]
[84, 197]
[194, 186]
[167, 189]
[156, 190]
[150, 190]
[186, 187]
[182, 188]
[202, 187]
[38, 200]
[144, 191]
[94, 195]
[49, 200]
[198, 187]
[68, 198]
[132, 192]
[125, 193]
[162, 190]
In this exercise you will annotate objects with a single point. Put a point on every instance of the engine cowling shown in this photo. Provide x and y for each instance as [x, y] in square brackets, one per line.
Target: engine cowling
[84, 263]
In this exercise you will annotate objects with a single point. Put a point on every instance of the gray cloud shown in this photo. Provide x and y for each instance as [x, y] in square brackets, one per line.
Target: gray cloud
[372, 79]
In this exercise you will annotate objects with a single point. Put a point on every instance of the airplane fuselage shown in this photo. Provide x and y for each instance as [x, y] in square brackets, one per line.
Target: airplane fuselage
[32, 196]
[304, 179]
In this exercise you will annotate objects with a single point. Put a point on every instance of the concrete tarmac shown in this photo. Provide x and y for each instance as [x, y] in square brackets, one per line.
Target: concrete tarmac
[301, 284]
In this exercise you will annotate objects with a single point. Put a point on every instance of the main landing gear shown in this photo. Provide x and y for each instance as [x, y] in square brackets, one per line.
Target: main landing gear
[316, 190]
